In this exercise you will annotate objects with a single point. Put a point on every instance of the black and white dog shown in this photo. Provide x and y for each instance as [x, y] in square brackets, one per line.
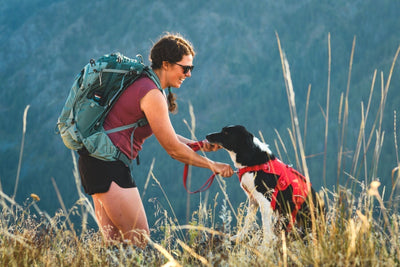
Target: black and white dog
[279, 191]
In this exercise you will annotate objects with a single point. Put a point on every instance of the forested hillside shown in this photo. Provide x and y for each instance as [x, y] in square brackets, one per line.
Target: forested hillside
[237, 80]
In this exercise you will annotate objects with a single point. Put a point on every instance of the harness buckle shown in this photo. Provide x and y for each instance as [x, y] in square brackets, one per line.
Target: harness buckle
[282, 184]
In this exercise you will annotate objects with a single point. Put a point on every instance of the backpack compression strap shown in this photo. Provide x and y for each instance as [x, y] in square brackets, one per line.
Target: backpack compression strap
[121, 156]
[139, 123]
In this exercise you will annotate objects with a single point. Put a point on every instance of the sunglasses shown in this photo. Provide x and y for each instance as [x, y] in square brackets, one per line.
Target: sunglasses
[185, 68]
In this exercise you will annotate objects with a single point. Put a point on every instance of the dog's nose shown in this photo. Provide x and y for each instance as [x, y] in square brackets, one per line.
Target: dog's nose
[211, 138]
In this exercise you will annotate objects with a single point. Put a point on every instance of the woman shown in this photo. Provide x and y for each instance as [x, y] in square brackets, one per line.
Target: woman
[119, 209]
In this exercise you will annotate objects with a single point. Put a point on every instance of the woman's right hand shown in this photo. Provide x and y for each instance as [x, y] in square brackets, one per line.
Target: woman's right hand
[223, 169]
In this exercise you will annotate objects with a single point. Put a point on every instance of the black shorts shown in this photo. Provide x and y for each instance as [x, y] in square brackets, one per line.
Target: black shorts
[97, 175]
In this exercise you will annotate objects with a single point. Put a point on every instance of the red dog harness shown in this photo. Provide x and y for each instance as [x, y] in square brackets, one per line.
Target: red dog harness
[287, 176]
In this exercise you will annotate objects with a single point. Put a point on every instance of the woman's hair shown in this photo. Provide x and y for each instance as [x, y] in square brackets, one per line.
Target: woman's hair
[170, 48]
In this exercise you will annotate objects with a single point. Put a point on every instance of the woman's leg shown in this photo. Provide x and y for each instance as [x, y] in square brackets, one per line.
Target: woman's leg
[120, 211]
[107, 227]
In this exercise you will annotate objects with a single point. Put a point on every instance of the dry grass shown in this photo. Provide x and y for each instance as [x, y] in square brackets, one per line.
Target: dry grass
[351, 236]
[360, 229]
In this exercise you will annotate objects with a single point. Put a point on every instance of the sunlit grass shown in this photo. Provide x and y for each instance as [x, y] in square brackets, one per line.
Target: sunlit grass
[353, 234]
[360, 228]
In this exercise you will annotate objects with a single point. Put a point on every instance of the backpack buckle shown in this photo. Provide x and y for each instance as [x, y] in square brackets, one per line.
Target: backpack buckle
[142, 122]
[122, 157]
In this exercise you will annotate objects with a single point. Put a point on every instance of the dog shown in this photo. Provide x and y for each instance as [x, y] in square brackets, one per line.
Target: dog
[281, 193]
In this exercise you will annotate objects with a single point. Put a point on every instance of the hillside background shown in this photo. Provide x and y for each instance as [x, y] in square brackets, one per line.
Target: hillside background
[237, 80]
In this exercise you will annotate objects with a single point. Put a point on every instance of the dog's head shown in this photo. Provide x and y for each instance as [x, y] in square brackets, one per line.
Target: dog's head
[244, 148]
[232, 138]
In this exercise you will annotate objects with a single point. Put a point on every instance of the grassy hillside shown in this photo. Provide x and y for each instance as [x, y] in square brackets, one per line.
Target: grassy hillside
[350, 236]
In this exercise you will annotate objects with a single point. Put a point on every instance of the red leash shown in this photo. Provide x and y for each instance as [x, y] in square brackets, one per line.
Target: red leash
[196, 146]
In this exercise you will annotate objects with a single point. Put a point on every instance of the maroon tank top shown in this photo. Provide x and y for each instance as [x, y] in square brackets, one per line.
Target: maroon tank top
[127, 111]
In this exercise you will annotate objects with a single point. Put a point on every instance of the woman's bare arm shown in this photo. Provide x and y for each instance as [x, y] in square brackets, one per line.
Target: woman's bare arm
[155, 108]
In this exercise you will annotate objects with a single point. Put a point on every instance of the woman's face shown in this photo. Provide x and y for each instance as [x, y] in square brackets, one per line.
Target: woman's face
[176, 71]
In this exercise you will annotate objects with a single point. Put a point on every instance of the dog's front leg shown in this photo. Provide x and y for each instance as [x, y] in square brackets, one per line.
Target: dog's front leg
[267, 217]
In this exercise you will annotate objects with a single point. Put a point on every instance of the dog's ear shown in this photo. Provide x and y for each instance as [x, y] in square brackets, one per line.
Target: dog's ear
[251, 153]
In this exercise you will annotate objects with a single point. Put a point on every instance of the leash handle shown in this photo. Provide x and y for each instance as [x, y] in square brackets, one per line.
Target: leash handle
[196, 146]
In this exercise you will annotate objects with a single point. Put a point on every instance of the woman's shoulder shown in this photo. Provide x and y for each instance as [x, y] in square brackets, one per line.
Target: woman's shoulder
[144, 81]
[141, 86]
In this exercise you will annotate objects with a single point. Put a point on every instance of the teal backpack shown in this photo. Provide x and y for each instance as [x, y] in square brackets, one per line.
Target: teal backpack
[94, 91]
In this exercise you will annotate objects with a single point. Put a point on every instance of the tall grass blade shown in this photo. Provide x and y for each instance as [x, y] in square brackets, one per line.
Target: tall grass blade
[21, 151]
[192, 129]
[82, 196]
[148, 177]
[63, 205]
[341, 162]
[292, 104]
[328, 89]
[306, 115]
[395, 136]
[167, 199]
[171, 259]
[297, 134]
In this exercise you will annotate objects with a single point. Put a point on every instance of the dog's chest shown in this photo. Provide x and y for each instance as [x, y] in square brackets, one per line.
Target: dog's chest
[247, 182]
[253, 184]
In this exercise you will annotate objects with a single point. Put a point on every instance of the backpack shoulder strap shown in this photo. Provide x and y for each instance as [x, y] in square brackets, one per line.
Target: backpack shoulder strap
[150, 73]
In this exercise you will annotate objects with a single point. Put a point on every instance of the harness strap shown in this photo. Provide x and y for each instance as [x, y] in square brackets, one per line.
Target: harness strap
[196, 146]
[262, 167]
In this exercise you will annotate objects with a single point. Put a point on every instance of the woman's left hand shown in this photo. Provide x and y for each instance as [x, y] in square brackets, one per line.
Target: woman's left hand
[208, 147]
